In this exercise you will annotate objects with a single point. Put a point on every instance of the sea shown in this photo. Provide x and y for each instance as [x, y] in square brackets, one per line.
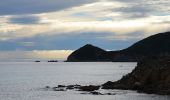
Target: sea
[26, 80]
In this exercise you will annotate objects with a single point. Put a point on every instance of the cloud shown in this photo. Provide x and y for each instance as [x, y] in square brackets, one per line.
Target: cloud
[36, 54]
[157, 5]
[24, 20]
[15, 7]
[62, 42]
[103, 20]
[135, 11]
[55, 54]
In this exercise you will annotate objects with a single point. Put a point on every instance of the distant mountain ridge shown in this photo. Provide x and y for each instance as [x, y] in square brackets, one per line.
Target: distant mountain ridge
[158, 44]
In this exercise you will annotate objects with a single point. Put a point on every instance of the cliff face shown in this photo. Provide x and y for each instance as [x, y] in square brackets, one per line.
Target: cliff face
[152, 75]
[158, 44]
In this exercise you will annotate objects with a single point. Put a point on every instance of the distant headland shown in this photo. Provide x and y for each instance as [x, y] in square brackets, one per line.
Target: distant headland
[158, 44]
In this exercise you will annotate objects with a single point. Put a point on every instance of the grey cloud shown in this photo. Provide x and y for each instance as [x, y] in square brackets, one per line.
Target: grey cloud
[162, 22]
[24, 20]
[14, 7]
[135, 11]
[159, 5]
[62, 42]
[137, 15]
[143, 8]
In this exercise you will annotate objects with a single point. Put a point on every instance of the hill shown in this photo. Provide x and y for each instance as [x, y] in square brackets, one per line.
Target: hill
[158, 44]
[88, 53]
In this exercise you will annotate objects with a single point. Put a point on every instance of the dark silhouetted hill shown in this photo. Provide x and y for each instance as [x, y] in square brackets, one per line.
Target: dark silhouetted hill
[88, 53]
[158, 44]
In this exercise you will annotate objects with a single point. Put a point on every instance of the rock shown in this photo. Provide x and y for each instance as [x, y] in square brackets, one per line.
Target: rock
[52, 61]
[37, 61]
[96, 93]
[110, 94]
[108, 85]
[79, 87]
[59, 89]
[89, 88]
[71, 87]
[138, 86]
[47, 87]
[66, 87]
[59, 86]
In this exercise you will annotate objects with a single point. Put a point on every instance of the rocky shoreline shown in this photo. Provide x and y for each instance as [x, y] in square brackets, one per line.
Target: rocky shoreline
[152, 76]
[91, 89]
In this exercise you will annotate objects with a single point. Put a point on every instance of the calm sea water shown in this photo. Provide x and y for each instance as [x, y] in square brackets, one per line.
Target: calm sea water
[26, 80]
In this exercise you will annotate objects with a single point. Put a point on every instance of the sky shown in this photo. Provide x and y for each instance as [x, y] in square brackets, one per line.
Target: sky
[54, 28]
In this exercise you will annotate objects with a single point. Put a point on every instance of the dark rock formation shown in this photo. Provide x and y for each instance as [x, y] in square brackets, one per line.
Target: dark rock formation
[152, 75]
[96, 93]
[37, 61]
[52, 61]
[154, 45]
[89, 88]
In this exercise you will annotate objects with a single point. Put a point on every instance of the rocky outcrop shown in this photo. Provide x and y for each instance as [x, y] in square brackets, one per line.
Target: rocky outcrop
[90, 89]
[154, 45]
[37, 61]
[152, 75]
[53, 61]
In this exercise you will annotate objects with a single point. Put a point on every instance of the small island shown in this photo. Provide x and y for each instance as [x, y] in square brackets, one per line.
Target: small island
[37, 61]
[53, 61]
